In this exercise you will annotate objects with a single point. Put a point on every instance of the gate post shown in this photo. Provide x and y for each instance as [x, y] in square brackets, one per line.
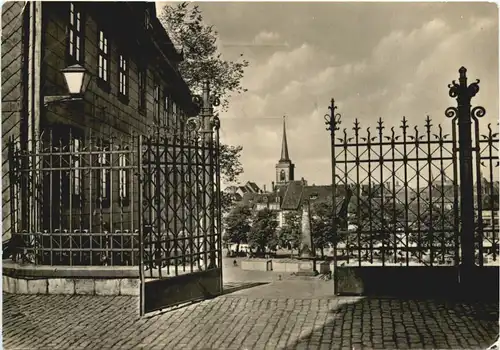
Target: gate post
[463, 94]
[332, 120]
[207, 131]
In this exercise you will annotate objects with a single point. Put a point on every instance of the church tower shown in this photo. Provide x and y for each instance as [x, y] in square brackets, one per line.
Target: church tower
[284, 168]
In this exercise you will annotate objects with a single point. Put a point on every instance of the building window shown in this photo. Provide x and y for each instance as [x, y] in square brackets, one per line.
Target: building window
[282, 175]
[156, 104]
[75, 37]
[77, 178]
[174, 113]
[142, 89]
[123, 75]
[104, 178]
[123, 178]
[103, 54]
[180, 117]
[166, 112]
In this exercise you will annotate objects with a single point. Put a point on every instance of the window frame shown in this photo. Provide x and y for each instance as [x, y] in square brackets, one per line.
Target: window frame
[104, 175]
[70, 179]
[123, 76]
[124, 177]
[103, 59]
[75, 51]
[142, 82]
[166, 106]
[282, 175]
[77, 176]
[174, 113]
[156, 104]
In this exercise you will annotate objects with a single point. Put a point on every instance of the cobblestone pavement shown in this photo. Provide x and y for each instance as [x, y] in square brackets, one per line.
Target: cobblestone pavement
[240, 321]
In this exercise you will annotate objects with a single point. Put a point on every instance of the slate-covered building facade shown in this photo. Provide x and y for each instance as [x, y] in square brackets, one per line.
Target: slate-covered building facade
[135, 82]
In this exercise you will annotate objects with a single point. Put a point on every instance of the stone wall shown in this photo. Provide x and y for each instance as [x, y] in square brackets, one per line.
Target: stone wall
[71, 286]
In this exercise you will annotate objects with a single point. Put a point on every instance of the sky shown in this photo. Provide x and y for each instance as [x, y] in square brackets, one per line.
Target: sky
[377, 60]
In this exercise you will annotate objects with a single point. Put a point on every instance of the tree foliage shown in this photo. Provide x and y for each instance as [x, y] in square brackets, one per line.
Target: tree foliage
[230, 163]
[322, 230]
[289, 235]
[238, 224]
[202, 59]
[263, 232]
[377, 216]
[385, 222]
[231, 168]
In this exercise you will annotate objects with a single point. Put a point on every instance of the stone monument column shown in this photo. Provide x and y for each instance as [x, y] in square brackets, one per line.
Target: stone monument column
[306, 238]
[307, 262]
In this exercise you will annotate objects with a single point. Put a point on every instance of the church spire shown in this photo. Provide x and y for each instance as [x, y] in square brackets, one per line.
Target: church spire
[284, 168]
[284, 144]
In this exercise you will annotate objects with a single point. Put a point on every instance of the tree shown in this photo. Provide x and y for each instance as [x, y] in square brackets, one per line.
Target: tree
[263, 232]
[202, 61]
[379, 218]
[384, 222]
[433, 232]
[322, 230]
[237, 225]
[290, 234]
[231, 168]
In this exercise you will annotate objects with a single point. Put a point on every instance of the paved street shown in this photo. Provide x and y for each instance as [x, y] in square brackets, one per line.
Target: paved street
[236, 274]
[289, 314]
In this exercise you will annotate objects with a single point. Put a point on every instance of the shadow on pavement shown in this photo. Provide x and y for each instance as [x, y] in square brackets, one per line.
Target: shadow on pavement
[229, 288]
[404, 323]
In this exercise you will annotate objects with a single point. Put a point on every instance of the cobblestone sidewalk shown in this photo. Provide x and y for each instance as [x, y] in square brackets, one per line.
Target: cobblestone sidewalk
[241, 322]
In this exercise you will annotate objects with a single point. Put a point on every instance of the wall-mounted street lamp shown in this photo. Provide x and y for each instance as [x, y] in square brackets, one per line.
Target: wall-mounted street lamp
[77, 79]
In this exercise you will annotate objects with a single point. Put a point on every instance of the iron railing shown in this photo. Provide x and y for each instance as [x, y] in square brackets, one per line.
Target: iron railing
[405, 190]
[74, 200]
[407, 205]
[180, 201]
[86, 200]
[486, 192]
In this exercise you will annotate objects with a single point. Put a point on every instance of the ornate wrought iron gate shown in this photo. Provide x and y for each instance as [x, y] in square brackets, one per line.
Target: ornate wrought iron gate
[180, 243]
[422, 198]
[76, 201]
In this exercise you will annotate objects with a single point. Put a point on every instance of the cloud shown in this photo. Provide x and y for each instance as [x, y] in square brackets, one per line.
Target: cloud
[266, 37]
[405, 73]
[280, 67]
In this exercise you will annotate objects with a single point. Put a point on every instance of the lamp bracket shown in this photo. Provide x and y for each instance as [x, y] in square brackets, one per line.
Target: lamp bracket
[55, 99]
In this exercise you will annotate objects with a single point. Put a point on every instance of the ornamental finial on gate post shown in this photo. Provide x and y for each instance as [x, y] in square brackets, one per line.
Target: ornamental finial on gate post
[206, 123]
[332, 119]
[210, 122]
[464, 93]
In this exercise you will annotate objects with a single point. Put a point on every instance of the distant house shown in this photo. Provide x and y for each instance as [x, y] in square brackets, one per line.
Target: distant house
[290, 198]
[239, 191]
[259, 201]
[252, 187]
[287, 194]
[234, 192]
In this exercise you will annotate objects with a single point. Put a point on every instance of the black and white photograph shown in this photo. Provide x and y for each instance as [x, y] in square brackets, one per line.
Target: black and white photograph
[250, 175]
